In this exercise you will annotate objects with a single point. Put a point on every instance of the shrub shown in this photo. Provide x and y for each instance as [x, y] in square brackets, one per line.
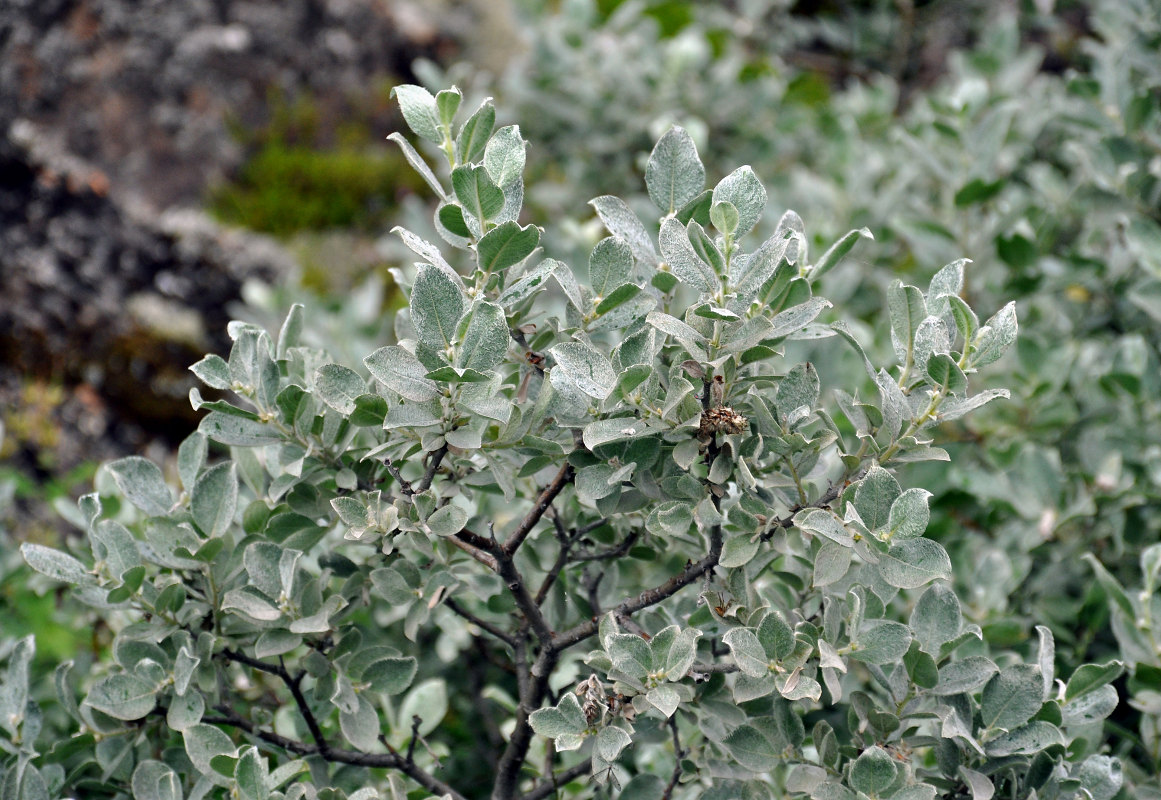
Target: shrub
[575, 534]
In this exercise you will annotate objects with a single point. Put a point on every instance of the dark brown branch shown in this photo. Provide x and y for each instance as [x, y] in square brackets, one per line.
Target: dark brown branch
[678, 754]
[524, 601]
[563, 476]
[611, 552]
[710, 669]
[829, 496]
[477, 547]
[293, 683]
[460, 611]
[548, 787]
[353, 757]
[433, 464]
[649, 597]
[558, 566]
[416, 721]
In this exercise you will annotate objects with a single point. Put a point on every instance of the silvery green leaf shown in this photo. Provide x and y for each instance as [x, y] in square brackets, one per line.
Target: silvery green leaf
[142, 483]
[55, 564]
[448, 520]
[930, 337]
[428, 252]
[664, 698]
[418, 164]
[436, 307]
[798, 388]
[759, 267]
[907, 309]
[504, 156]
[1011, 697]
[214, 499]
[321, 621]
[738, 551]
[486, 339]
[191, 457]
[420, 111]
[338, 386]
[882, 642]
[261, 561]
[914, 562]
[724, 217]
[153, 780]
[909, 515]
[1025, 740]
[681, 654]
[251, 774]
[203, 743]
[875, 494]
[672, 326]
[617, 429]
[683, 261]
[1089, 677]
[1046, 659]
[956, 407]
[964, 675]
[979, 784]
[276, 642]
[566, 718]
[1091, 707]
[610, 265]
[639, 306]
[474, 134]
[794, 319]
[477, 193]
[401, 372]
[743, 189]
[410, 415]
[674, 174]
[943, 372]
[229, 429]
[528, 284]
[505, 245]
[823, 523]
[995, 337]
[630, 654]
[185, 710]
[966, 321]
[390, 675]
[361, 727]
[586, 368]
[123, 696]
[948, 281]
[568, 284]
[393, 586]
[115, 545]
[611, 740]
[747, 651]
[873, 771]
[751, 749]
[747, 688]
[214, 372]
[936, 618]
[831, 564]
[252, 603]
[1100, 776]
[447, 103]
[620, 221]
[837, 251]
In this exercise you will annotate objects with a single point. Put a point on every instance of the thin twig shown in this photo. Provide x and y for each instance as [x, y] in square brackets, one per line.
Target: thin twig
[829, 496]
[611, 552]
[293, 683]
[563, 476]
[333, 755]
[433, 464]
[649, 597]
[495, 630]
[549, 787]
[475, 546]
[678, 754]
[416, 721]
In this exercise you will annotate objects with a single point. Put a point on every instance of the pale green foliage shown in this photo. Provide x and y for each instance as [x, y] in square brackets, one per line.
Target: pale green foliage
[613, 483]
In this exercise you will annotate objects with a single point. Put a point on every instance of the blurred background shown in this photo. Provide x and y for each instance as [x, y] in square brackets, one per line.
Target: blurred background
[168, 166]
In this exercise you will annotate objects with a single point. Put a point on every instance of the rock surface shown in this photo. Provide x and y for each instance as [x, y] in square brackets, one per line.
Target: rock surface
[115, 118]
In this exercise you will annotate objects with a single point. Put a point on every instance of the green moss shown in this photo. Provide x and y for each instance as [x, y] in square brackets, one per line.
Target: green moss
[306, 175]
[290, 188]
